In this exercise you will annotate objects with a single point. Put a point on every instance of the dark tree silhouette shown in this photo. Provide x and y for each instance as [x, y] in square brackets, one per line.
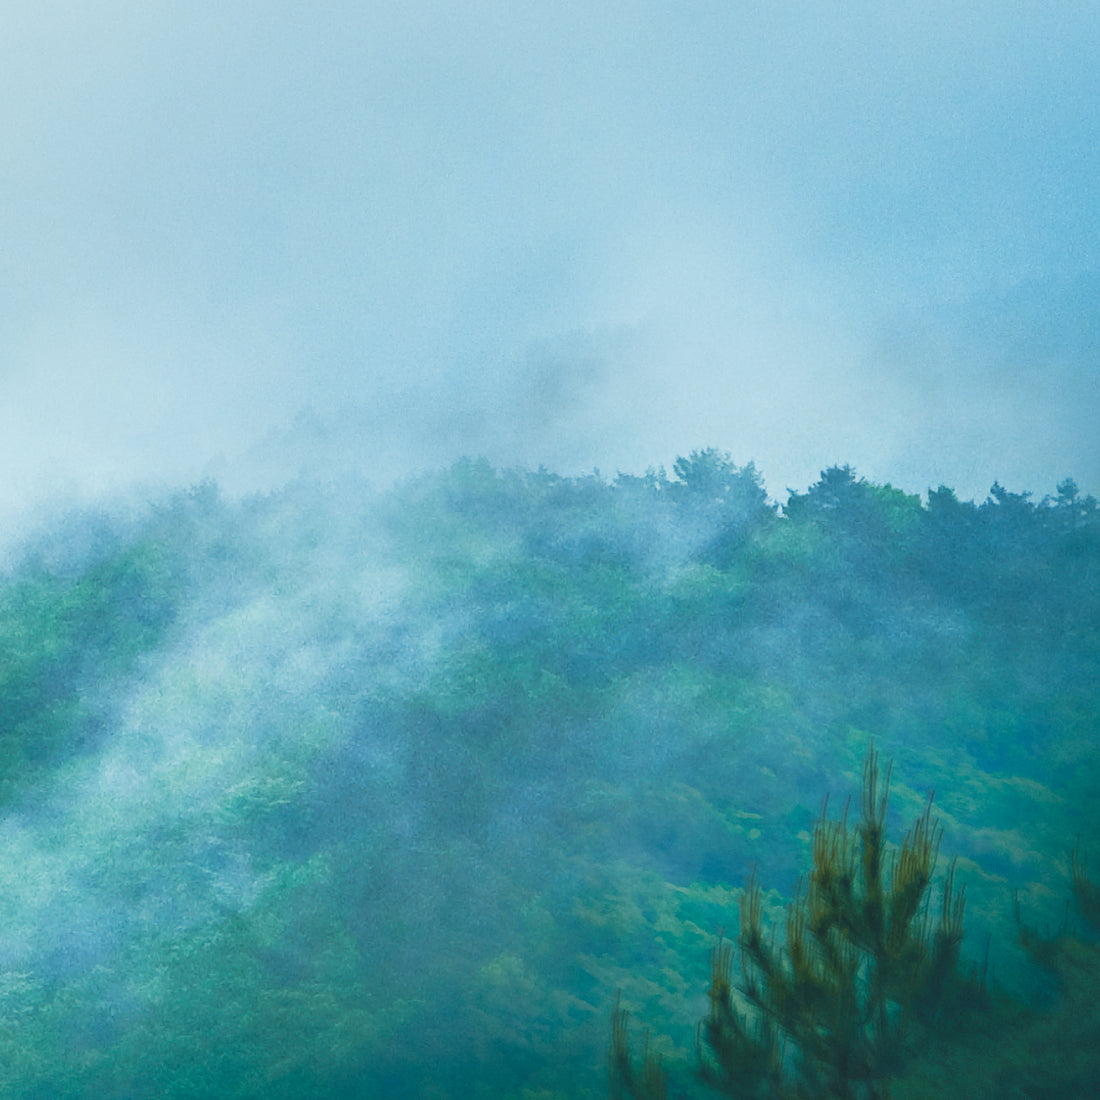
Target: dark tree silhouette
[836, 1011]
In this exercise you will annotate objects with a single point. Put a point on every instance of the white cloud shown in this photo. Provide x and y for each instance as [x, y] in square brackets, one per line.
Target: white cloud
[214, 215]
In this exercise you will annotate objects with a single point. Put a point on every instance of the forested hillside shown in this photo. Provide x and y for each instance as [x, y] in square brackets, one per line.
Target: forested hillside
[333, 793]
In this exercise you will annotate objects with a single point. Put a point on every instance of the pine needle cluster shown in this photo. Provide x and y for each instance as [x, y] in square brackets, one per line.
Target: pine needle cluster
[650, 1082]
[864, 971]
[835, 1011]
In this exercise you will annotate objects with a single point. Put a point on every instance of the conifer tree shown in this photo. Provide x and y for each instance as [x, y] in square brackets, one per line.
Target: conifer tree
[1056, 1051]
[627, 1083]
[837, 1009]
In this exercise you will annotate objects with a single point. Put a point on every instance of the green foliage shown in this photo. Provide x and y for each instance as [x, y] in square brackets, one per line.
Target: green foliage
[834, 1012]
[727, 502]
[650, 1082]
[1061, 1038]
[389, 793]
[57, 633]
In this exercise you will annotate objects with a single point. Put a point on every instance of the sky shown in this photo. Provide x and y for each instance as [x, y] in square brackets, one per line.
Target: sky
[252, 240]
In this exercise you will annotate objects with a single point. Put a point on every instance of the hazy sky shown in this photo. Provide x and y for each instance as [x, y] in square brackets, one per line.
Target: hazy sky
[573, 234]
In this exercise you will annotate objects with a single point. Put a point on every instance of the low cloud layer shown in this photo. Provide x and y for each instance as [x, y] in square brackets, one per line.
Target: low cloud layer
[549, 236]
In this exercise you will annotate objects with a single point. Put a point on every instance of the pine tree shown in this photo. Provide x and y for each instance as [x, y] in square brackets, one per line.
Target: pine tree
[835, 1011]
[1055, 1051]
[626, 1083]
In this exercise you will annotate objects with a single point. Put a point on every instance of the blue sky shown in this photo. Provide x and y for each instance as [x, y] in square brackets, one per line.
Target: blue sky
[247, 238]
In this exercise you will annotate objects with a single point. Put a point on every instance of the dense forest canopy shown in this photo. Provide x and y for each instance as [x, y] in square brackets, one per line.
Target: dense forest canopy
[334, 793]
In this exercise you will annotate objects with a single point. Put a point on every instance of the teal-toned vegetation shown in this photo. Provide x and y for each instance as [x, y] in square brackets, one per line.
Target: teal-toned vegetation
[862, 977]
[837, 1009]
[388, 794]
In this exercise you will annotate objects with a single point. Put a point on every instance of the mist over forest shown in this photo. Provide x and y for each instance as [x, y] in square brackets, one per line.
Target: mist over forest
[400, 698]
[335, 792]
